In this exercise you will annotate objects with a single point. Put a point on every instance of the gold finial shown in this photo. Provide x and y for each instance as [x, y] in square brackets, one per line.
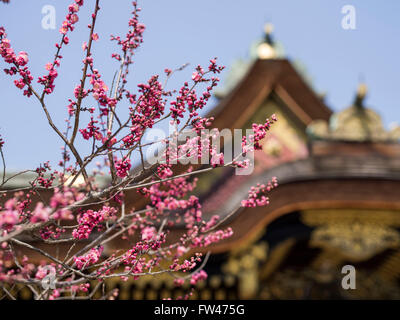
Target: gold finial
[362, 90]
[266, 49]
[360, 96]
[268, 28]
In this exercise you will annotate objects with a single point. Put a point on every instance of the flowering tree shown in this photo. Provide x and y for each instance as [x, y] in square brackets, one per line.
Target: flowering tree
[84, 215]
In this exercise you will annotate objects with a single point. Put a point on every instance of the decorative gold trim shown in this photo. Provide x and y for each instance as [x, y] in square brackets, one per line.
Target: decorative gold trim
[358, 235]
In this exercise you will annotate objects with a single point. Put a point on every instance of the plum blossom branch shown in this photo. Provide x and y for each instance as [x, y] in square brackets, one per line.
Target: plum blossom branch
[59, 208]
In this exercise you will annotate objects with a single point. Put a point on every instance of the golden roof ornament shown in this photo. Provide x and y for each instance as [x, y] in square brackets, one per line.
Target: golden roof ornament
[356, 123]
[266, 49]
[357, 234]
[362, 90]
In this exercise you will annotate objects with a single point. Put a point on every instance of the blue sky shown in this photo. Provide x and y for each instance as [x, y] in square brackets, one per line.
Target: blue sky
[181, 31]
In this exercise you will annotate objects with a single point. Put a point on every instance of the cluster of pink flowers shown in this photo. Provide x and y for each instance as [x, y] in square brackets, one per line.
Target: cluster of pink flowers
[77, 92]
[68, 25]
[186, 265]
[18, 63]
[61, 199]
[198, 276]
[99, 89]
[9, 215]
[201, 123]
[257, 196]
[149, 233]
[187, 98]
[48, 80]
[91, 219]
[194, 278]
[108, 140]
[181, 250]
[130, 139]
[43, 270]
[164, 171]
[260, 131]
[150, 103]
[179, 282]
[41, 213]
[134, 259]
[150, 107]
[55, 294]
[169, 196]
[51, 232]
[131, 256]
[217, 159]
[8, 274]
[134, 37]
[122, 166]
[210, 223]
[91, 258]
[41, 179]
[71, 18]
[163, 195]
[204, 240]
[84, 287]
[91, 131]
[128, 44]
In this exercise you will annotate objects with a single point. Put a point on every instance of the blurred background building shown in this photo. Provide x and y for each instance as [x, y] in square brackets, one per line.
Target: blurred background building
[337, 204]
